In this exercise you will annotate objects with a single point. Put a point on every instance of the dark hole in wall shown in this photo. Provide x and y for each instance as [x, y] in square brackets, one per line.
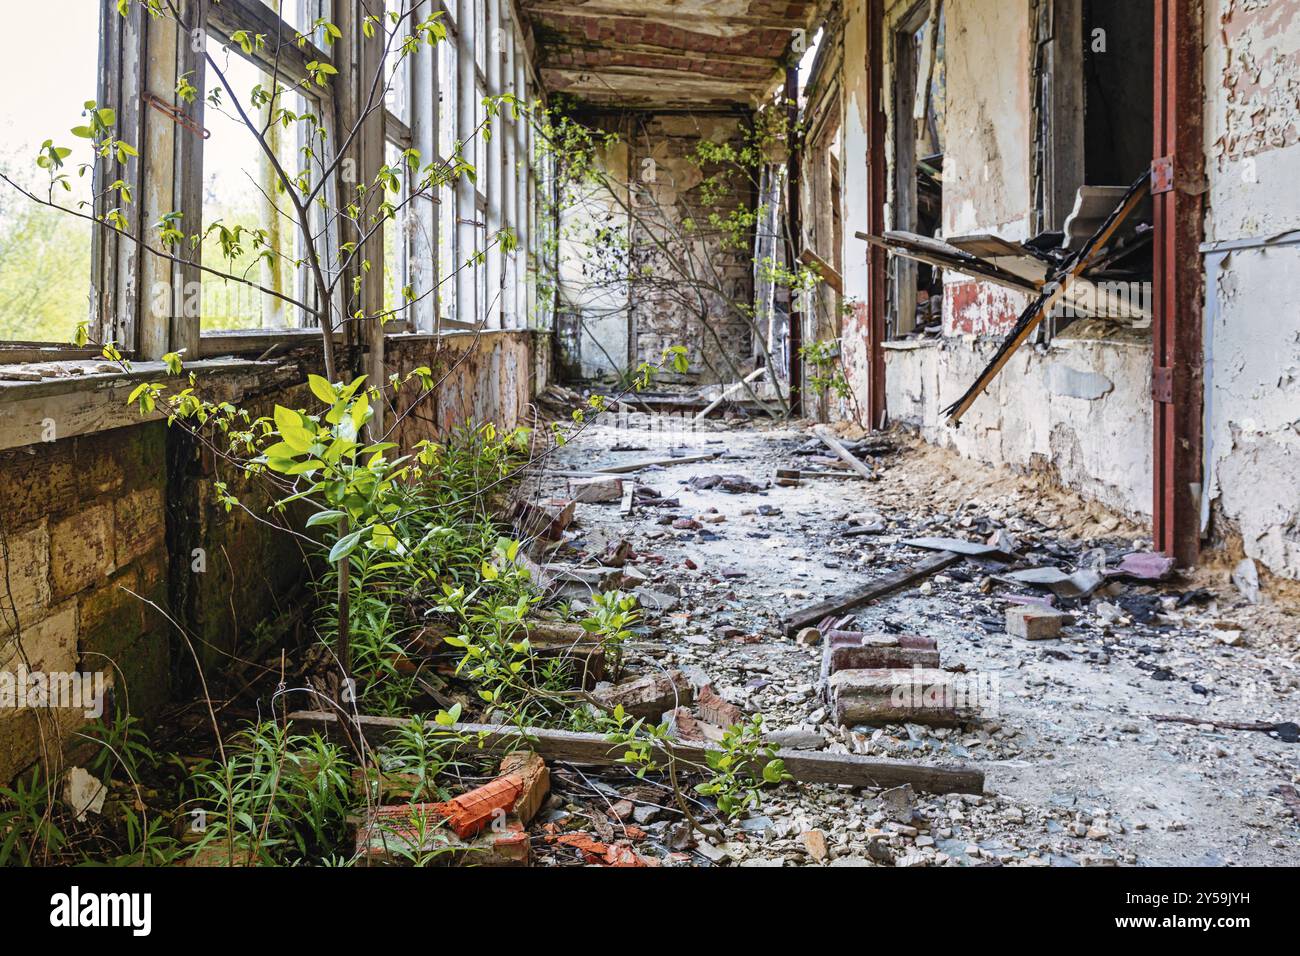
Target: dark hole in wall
[1118, 71]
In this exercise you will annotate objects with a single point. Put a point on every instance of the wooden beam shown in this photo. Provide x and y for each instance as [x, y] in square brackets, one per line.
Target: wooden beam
[1039, 309]
[578, 42]
[806, 766]
[811, 615]
[85, 404]
[846, 456]
[280, 51]
[675, 17]
[828, 273]
[664, 83]
[730, 390]
[661, 462]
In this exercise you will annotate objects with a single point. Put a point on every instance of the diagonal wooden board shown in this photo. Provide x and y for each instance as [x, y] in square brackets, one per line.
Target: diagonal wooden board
[1040, 308]
[811, 615]
[806, 766]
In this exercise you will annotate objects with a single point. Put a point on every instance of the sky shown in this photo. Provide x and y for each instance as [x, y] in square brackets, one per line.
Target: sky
[48, 66]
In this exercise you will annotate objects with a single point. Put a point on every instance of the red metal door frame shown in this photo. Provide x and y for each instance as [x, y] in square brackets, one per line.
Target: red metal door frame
[876, 163]
[1177, 293]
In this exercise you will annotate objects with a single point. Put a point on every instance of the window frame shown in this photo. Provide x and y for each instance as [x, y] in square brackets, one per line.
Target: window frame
[290, 59]
[486, 53]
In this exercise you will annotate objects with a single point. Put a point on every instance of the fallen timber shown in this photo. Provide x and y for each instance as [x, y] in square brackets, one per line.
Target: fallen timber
[568, 746]
[812, 615]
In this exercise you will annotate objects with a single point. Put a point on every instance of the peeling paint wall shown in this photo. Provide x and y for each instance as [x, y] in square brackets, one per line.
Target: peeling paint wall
[1078, 411]
[986, 169]
[1252, 334]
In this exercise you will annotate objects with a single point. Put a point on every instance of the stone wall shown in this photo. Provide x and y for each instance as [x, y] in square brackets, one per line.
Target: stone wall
[95, 527]
[83, 522]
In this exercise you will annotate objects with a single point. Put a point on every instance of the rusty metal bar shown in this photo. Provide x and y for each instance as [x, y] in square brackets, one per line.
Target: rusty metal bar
[794, 159]
[1177, 292]
[877, 287]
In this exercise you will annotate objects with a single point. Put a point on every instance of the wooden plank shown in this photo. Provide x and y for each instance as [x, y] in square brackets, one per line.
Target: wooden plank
[987, 245]
[730, 390]
[973, 549]
[806, 766]
[824, 269]
[1039, 309]
[809, 616]
[659, 462]
[84, 404]
[833, 443]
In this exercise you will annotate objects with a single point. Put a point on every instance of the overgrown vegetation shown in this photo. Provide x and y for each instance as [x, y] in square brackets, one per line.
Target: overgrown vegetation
[424, 603]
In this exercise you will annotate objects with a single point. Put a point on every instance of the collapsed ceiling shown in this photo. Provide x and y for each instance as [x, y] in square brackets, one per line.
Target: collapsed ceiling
[666, 53]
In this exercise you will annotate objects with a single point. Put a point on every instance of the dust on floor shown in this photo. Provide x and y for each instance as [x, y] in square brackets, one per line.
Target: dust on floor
[1077, 771]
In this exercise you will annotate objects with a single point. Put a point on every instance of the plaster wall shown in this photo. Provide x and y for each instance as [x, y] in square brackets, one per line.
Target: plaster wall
[1252, 321]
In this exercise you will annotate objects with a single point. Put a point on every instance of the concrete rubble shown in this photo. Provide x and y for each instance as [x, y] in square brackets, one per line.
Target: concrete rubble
[1058, 623]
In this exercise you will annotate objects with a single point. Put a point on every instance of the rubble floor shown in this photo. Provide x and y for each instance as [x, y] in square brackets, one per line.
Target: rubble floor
[1076, 771]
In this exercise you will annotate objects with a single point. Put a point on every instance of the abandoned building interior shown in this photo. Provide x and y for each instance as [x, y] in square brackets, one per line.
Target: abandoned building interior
[661, 433]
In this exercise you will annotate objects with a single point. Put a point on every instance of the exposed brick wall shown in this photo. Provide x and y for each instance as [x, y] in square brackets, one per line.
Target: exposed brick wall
[88, 523]
[667, 317]
[82, 522]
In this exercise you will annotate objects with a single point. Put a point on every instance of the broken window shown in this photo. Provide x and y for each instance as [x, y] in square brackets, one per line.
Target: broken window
[919, 111]
[1094, 101]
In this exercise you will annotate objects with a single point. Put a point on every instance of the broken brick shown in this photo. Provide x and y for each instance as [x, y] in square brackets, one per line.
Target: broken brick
[717, 710]
[1035, 623]
[649, 696]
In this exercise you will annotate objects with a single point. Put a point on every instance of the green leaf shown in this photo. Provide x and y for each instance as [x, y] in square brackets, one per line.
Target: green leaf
[297, 438]
[305, 467]
[324, 517]
[345, 546]
[360, 412]
[322, 389]
[284, 416]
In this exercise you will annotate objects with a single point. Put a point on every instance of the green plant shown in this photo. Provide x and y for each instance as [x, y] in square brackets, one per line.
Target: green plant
[274, 797]
[612, 618]
[122, 743]
[740, 767]
[826, 373]
[28, 834]
[420, 754]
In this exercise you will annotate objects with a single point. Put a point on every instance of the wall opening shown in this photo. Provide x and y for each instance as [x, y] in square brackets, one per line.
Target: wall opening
[916, 300]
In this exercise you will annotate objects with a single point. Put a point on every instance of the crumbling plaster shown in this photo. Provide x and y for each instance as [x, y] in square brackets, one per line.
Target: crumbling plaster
[986, 169]
[1252, 327]
[1079, 410]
